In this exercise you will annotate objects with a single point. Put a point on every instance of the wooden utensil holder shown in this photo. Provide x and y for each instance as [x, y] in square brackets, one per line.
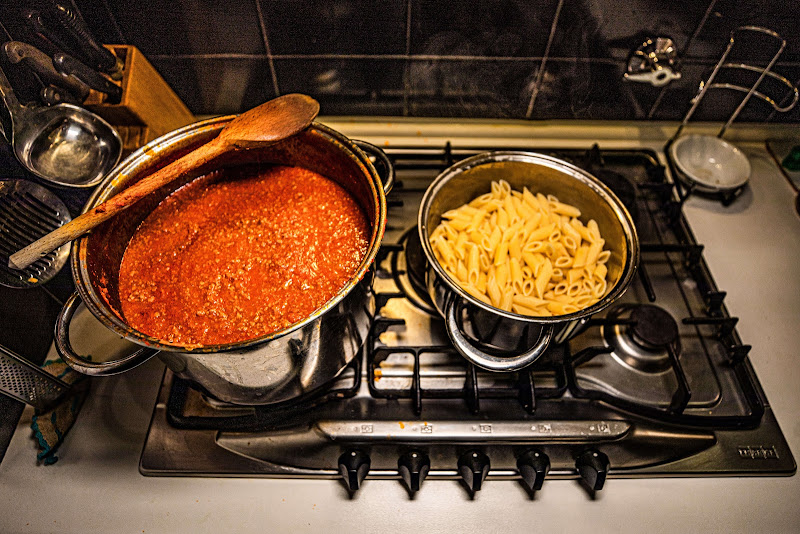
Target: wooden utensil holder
[149, 107]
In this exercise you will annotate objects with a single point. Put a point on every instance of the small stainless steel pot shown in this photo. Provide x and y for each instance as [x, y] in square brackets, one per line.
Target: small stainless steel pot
[272, 368]
[492, 338]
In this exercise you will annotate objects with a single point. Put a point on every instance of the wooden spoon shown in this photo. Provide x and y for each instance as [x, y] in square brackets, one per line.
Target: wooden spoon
[264, 125]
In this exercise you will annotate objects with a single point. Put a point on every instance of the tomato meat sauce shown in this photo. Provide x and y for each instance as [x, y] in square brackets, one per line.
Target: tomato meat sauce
[240, 253]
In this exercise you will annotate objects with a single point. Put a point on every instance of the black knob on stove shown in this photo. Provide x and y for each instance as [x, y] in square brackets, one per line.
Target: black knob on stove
[593, 467]
[473, 467]
[353, 466]
[533, 465]
[413, 467]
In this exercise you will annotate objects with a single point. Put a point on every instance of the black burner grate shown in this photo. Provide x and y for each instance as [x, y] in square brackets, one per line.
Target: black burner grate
[665, 237]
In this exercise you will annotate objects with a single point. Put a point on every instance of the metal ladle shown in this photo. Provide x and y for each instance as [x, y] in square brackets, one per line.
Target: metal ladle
[63, 144]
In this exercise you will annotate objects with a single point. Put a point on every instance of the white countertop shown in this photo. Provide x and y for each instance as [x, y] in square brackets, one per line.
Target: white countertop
[753, 251]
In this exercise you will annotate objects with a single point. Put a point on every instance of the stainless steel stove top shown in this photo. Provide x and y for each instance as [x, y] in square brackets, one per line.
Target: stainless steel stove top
[658, 385]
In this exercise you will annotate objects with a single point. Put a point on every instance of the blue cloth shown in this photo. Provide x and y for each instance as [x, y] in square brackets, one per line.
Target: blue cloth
[51, 426]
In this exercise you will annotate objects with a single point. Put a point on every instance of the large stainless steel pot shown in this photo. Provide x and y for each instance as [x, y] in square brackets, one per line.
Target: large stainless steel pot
[492, 338]
[276, 367]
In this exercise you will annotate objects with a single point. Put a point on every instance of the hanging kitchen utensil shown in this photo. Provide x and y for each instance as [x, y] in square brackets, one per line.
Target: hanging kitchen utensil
[68, 65]
[64, 145]
[52, 96]
[51, 42]
[21, 380]
[29, 211]
[72, 24]
[42, 65]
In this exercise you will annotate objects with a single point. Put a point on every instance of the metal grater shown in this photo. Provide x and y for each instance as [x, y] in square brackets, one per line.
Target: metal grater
[23, 381]
[28, 211]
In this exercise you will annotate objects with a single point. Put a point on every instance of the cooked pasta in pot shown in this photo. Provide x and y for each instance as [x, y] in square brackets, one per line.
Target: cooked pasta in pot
[522, 252]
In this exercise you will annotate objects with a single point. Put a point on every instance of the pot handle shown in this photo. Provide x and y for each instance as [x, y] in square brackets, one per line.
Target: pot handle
[487, 361]
[380, 161]
[64, 348]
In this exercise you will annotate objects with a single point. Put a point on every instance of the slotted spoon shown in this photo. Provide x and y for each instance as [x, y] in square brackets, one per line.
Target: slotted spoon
[29, 211]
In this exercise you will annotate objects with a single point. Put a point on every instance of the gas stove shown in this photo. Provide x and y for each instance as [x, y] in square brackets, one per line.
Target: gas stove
[657, 385]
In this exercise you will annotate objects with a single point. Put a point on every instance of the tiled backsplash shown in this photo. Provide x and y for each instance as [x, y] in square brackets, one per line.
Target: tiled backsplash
[537, 59]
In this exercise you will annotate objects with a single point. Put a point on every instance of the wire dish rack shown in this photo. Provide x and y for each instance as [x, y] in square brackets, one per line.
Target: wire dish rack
[779, 103]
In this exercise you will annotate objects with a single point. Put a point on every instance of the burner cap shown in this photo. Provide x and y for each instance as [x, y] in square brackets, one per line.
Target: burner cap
[639, 335]
[654, 327]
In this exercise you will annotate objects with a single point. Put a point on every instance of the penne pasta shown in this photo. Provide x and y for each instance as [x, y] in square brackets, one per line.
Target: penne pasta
[523, 252]
[473, 265]
[564, 209]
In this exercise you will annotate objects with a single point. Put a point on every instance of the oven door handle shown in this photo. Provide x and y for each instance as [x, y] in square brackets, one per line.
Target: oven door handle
[488, 361]
[83, 365]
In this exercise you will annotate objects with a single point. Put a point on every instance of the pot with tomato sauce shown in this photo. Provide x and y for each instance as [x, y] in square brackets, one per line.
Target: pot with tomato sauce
[251, 276]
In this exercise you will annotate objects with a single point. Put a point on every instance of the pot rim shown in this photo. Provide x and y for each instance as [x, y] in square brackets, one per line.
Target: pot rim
[624, 217]
[97, 305]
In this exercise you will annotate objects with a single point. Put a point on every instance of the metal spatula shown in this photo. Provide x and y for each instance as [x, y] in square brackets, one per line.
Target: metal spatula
[29, 211]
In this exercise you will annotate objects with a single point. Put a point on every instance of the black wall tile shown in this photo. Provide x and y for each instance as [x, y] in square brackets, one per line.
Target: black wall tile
[506, 28]
[101, 21]
[451, 58]
[335, 26]
[781, 16]
[217, 85]
[470, 88]
[613, 28]
[577, 33]
[584, 89]
[159, 27]
[346, 86]
[675, 102]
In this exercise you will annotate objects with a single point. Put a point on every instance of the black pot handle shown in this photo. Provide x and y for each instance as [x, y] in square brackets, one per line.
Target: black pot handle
[380, 161]
[82, 365]
[487, 361]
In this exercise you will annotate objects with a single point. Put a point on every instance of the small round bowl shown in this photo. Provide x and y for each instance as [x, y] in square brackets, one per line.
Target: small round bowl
[710, 163]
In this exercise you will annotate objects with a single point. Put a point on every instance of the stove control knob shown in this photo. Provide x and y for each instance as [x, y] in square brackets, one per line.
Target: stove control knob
[353, 466]
[533, 465]
[593, 467]
[473, 467]
[413, 467]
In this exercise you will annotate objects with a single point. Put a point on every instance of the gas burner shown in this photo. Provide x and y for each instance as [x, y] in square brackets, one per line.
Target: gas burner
[408, 270]
[622, 186]
[640, 336]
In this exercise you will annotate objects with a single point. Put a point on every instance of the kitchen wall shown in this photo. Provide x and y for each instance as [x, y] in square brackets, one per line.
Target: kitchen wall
[536, 59]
